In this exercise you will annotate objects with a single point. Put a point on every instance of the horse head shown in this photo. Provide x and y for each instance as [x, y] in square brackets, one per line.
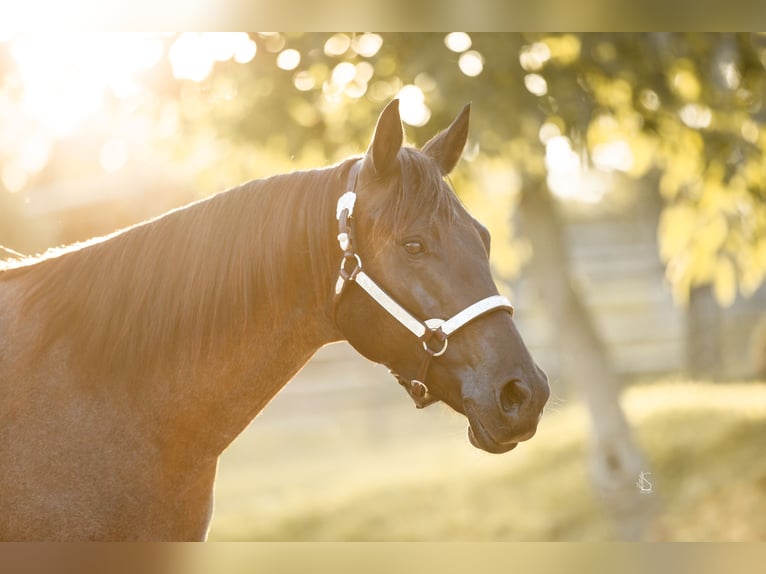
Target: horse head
[415, 291]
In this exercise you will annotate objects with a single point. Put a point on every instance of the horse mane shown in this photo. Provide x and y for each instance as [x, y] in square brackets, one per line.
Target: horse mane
[188, 278]
[168, 288]
[421, 191]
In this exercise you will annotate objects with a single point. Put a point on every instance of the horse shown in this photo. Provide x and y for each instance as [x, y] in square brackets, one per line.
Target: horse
[129, 362]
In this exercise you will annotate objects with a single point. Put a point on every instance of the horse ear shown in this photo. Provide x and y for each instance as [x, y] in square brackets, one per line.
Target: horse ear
[446, 147]
[387, 140]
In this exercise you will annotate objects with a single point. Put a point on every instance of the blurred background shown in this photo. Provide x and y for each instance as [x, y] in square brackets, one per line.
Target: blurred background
[623, 180]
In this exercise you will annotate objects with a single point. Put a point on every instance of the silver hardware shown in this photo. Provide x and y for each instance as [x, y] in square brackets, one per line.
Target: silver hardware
[422, 389]
[434, 325]
[440, 352]
[418, 389]
[350, 276]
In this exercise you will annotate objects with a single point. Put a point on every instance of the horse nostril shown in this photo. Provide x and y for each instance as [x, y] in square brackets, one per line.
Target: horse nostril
[513, 395]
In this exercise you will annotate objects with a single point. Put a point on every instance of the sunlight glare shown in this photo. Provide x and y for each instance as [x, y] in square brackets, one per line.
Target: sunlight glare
[14, 176]
[189, 58]
[193, 54]
[65, 77]
[113, 155]
[34, 153]
[220, 45]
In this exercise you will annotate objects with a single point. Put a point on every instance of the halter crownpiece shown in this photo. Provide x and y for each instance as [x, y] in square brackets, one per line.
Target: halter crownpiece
[433, 334]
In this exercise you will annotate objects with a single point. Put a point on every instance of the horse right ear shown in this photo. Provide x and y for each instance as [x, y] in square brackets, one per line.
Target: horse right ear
[387, 140]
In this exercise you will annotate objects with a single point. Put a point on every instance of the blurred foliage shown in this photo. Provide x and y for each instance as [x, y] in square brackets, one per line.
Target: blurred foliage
[685, 110]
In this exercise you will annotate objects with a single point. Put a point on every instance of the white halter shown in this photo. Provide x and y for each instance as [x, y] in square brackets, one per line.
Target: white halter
[426, 331]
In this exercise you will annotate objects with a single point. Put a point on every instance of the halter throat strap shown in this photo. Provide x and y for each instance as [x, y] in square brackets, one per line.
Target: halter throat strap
[432, 333]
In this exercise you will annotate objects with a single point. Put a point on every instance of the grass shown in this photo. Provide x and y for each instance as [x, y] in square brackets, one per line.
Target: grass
[385, 472]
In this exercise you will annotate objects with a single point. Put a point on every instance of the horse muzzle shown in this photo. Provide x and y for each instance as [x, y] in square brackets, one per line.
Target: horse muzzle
[511, 416]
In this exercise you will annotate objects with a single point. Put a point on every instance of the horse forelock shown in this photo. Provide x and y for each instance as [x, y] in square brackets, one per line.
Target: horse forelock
[172, 287]
[421, 191]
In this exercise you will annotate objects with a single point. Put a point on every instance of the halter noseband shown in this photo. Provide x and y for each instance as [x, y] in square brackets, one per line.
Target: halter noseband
[433, 334]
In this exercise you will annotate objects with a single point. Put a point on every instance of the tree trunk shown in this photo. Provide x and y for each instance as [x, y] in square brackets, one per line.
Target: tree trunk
[703, 334]
[616, 463]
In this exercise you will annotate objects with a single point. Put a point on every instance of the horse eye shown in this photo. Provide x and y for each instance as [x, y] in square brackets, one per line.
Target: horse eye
[413, 247]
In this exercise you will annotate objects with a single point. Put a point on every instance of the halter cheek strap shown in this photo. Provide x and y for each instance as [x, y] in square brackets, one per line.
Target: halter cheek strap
[433, 334]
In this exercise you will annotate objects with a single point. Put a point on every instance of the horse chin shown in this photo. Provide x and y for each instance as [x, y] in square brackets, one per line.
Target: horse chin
[481, 439]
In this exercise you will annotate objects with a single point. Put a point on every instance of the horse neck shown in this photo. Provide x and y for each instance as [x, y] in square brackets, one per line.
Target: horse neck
[199, 317]
[288, 315]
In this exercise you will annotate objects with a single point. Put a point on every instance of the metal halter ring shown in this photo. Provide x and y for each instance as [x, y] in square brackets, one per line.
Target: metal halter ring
[357, 268]
[433, 325]
[418, 389]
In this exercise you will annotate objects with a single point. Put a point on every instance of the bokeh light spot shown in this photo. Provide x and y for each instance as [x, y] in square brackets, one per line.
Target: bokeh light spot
[412, 106]
[536, 84]
[471, 63]
[532, 58]
[457, 41]
[696, 116]
[304, 81]
[337, 45]
[343, 73]
[245, 50]
[367, 45]
[288, 59]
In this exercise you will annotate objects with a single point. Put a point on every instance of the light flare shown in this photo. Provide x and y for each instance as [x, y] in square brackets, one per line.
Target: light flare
[65, 77]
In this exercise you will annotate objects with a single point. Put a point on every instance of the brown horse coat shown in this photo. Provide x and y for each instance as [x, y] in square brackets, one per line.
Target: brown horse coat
[130, 362]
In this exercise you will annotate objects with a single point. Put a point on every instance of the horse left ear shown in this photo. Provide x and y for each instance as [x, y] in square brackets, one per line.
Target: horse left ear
[446, 147]
[387, 140]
